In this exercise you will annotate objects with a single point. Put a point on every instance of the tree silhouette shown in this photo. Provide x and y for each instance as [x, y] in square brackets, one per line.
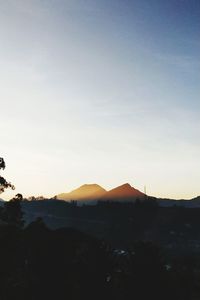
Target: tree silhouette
[12, 212]
[4, 184]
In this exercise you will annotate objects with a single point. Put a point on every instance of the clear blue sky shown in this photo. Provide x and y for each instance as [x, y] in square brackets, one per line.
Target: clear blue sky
[100, 91]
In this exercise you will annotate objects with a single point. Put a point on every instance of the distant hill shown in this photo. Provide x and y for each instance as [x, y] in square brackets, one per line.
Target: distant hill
[93, 192]
[124, 192]
[191, 203]
[84, 192]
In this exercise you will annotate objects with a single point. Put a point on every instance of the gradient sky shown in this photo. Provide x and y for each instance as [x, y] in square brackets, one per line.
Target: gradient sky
[104, 91]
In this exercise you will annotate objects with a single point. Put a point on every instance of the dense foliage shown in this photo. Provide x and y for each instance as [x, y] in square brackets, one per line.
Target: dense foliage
[4, 184]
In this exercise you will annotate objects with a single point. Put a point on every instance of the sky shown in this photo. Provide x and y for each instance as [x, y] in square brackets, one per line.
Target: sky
[100, 91]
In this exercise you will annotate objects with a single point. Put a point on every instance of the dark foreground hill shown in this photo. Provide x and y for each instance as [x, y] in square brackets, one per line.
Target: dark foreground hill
[175, 228]
[38, 263]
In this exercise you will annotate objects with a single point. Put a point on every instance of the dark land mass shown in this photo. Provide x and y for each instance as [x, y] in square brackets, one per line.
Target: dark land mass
[122, 216]
[38, 262]
[124, 245]
[175, 228]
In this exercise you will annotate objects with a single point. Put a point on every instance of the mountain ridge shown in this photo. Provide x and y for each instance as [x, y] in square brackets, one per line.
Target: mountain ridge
[96, 192]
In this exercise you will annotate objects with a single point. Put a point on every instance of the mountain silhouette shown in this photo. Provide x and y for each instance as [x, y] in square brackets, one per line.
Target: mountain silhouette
[96, 192]
[124, 192]
[84, 192]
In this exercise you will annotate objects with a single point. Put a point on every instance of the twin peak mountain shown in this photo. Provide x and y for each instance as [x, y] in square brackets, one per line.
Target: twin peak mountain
[94, 192]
